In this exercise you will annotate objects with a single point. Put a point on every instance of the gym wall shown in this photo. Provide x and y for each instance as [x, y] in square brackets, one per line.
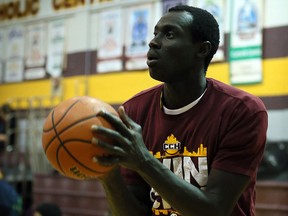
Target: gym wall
[80, 76]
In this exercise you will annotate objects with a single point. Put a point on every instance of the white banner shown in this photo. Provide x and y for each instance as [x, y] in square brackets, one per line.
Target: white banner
[216, 8]
[245, 51]
[2, 53]
[14, 70]
[111, 34]
[139, 23]
[56, 48]
[36, 45]
[137, 34]
[14, 55]
[110, 48]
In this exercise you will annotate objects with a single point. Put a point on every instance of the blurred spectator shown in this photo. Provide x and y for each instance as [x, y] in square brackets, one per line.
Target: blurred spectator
[274, 165]
[10, 201]
[3, 137]
[47, 209]
[7, 128]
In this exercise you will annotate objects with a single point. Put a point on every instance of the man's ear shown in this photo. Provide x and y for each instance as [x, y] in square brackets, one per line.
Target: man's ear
[205, 49]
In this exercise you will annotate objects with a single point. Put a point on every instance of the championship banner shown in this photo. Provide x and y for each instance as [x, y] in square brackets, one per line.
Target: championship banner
[139, 30]
[245, 51]
[216, 8]
[2, 54]
[11, 10]
[15, 55]
[35, 51]
[56, 48]
[110, 49]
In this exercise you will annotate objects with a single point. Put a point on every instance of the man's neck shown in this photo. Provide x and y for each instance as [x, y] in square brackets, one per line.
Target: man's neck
[179, 95]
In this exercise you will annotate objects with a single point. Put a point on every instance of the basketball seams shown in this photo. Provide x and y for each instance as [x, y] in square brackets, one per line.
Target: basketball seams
[61, 144]
[74, 158]
[57, 157]
[63, 116]
[66, 128]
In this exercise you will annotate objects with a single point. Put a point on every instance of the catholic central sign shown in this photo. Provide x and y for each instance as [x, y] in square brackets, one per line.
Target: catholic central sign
[18, 9]
[11, 10]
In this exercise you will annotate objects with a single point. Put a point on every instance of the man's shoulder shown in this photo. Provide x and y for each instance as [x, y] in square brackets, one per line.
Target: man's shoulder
[235, 95]
[143, 104]
[145, 95]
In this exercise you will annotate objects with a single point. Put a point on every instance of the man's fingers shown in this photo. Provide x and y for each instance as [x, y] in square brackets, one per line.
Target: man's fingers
[109, 147]
[127, 120]
[122, 124]
[115, 121]
[106, 161]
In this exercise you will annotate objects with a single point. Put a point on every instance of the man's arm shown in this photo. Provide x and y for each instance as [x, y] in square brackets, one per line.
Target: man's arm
[124, 199]
[219, 197]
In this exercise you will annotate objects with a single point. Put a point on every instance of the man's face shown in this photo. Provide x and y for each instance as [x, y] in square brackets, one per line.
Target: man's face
[172, 53]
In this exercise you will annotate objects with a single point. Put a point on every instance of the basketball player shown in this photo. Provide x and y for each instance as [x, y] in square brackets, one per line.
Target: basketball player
[192, 145]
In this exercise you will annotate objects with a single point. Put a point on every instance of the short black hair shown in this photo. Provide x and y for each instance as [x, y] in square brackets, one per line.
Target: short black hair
[204, 28]
[6, 108]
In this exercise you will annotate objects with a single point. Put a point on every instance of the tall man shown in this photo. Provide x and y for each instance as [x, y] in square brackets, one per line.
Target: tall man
[189, 146]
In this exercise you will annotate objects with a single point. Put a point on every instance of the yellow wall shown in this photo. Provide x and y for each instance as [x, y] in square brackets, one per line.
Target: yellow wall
[275, 77]
[115, 88]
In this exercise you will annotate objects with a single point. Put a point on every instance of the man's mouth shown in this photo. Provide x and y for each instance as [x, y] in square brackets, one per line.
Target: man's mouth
[152, 58]
[151, 61]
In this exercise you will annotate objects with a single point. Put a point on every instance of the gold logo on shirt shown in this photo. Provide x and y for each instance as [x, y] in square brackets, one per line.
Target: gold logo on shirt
[171, 145]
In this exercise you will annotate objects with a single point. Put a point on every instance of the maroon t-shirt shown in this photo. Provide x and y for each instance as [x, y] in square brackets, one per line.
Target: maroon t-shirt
[226, 130]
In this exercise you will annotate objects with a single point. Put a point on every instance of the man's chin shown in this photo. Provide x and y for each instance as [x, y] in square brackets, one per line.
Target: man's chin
[155, 76]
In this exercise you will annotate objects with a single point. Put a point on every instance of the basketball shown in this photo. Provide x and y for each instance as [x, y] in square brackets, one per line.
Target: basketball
[66, 137]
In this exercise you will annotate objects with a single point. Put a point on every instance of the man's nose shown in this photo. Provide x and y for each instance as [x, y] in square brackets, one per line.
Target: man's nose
[154, 43]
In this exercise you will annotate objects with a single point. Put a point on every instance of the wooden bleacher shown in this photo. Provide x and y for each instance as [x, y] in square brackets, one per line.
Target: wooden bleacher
[272, 198]
[87, 198]
[74, 197]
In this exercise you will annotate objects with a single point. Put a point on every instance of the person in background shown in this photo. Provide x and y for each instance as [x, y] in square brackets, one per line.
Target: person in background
[47, 209]
[7, 128]
[191, 145]
[10, 201]
[3, 136]
[11, 125]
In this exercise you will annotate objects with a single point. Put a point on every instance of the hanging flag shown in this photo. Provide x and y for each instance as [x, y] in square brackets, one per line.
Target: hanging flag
[245, 51]
[216, 8]
[2, 53]
[110, 51]
[56, 48]
[35, 51]
[15, 55]
[137, 36]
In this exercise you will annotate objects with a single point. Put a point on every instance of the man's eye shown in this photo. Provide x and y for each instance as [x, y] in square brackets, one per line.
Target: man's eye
[169, 35]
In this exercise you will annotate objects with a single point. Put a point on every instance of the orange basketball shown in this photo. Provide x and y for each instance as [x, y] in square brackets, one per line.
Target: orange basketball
[66, 137]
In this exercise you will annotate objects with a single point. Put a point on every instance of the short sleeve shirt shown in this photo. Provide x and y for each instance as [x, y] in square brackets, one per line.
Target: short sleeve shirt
[226, 130]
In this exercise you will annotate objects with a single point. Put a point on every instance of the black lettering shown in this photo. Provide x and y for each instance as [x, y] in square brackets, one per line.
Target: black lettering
[70, 3]
[13, 10]
[74, 3]
[3, 12]
[10, 10]
[57, 4]
[78, 173]
[34, 6]
[64, 4]
[18, 13]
